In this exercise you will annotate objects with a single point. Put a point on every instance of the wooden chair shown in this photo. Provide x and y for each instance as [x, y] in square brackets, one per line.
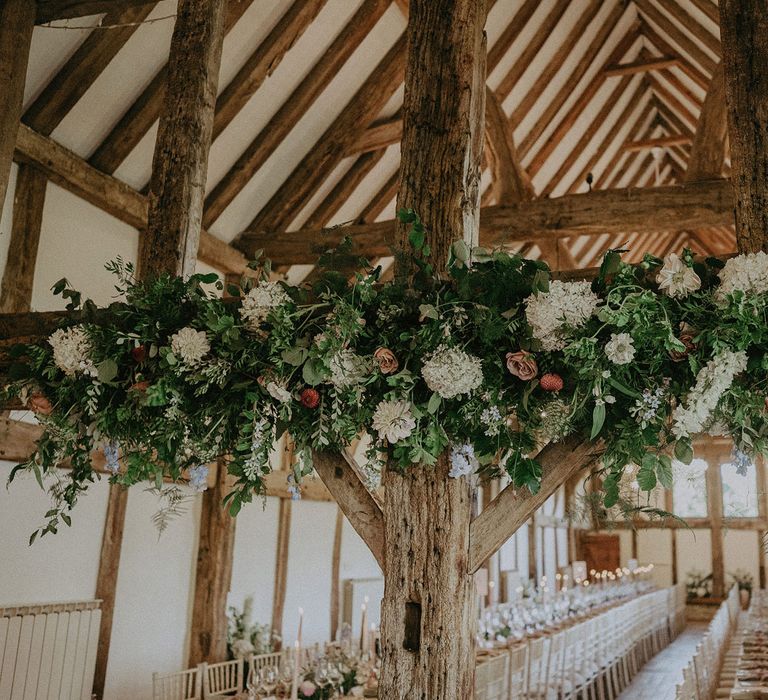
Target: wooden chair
[180, 685]
[518, 671]
[259, 661]
[225, 678]
[492, 678]
[536, 682]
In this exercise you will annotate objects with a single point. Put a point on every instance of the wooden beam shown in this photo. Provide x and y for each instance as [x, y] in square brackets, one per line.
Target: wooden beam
[642, 65]
[281, 564]
[329, 150]
[17, 19]
[378, 136]
[678, 36]
[51, 10]
[106, 579]
[744, 31]
[710, 145]
[575, 76]
[82, 69]
[295, 106]
[509, 181]
[208, 634]
[709, 8]
[341, 476]
[264, 61]
[70, 171]
[612, 211]
[19, 273]
[514, 506]
[145, 110]
[383, 197]
[663, 46]
[343, 189]
[564, 49]
[180, 162]
[661, 141]
[715, 510]
[685, 19]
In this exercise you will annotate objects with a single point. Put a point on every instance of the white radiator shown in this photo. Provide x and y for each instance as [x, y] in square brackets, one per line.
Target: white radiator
[48, 652]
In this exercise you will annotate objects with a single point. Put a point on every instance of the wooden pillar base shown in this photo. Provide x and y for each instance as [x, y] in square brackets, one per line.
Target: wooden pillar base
[428, 612]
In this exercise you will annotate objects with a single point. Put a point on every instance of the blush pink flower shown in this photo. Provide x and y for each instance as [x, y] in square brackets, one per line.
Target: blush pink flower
[386, 360]
[522, 365]
[307, 689]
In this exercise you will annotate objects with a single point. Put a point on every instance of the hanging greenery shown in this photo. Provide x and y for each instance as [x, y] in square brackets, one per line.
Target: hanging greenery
[488, 363]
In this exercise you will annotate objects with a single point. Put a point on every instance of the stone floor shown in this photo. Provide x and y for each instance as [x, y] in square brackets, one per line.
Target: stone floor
[658, 678]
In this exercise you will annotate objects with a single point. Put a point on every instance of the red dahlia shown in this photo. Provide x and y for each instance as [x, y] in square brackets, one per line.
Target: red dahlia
[139, 353]
[551, 382]
[310, 398]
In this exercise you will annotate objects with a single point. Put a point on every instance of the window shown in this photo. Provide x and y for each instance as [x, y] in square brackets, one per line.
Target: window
[689, 491]
[739, 492]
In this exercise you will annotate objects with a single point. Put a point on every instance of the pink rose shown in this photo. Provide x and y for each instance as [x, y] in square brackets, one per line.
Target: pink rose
[386, 360]
[40, 404]
[307, 689]
[522, 365]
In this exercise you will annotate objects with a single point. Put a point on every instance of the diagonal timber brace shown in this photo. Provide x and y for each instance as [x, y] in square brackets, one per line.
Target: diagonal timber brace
[514, 506]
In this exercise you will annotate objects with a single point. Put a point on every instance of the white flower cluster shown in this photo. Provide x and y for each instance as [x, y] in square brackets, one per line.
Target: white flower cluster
[620, 349]
[393, 420]
[462, 461]
[565, 305]
[452, 372]
[260, 301]
[712, 382]
[72, 351]
[744, 273]
[190, 346]
[348, 369]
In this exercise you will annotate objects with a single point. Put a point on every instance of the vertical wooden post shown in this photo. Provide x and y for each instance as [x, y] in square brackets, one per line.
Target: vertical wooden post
[19, 273]
[336, 573]
[762, 512]
[532, 567]
[281, 564]
[715, 508]
[208, 638]
[744, 34]
[17, 20]
[106, 580]
[180, 163]
[428, 616]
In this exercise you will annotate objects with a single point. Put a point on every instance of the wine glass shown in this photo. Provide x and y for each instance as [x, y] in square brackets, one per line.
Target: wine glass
[268, 678]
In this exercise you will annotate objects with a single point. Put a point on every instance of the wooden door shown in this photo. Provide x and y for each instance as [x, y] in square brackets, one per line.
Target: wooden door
[601, 552]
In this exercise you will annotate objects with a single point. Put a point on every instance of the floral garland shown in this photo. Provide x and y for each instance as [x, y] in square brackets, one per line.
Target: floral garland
[486, 365]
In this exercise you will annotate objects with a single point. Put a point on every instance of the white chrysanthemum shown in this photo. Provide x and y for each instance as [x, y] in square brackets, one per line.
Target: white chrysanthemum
[72, 351]
[451, 372]
[278, 392]
[620, 349]
[260, 301]
[712, 382]
[745, 273]
[565, 305]
[393, 420]
[348, 369]
[190, 346]
[676, 279]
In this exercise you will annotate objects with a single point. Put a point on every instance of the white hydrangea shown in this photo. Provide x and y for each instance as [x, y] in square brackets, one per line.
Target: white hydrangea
[452, 372]
[72, 351]
[463, 461]
[258, 303]
[676, 279]
[745, 273]
[279, 392]
[712, 382]
[190, 346]
[348, 369]
[393, 420]
[566, 304]
[620, 349]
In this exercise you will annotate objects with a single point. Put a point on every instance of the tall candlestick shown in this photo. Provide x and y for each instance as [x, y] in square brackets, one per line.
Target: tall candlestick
[296, 664]
[301, 627]
[372, 640]
[363, 624]
[491, 586]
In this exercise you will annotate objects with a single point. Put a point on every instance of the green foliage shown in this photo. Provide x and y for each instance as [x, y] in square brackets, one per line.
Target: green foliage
[309, 363]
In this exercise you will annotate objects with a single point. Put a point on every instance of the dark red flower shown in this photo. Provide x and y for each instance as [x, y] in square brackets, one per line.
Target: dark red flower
[551, 382]
[139, 353]
[310, 398]
[687, 340]
[140, 386]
